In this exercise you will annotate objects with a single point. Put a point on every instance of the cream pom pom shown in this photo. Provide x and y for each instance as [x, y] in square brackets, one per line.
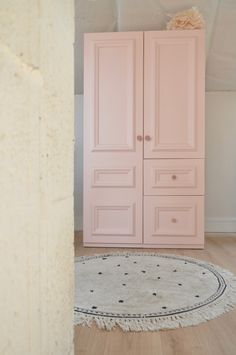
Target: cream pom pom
[186, 20]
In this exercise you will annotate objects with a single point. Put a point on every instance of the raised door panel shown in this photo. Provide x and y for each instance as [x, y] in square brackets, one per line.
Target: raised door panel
[174, 177]
[113, 118]
[174, 94]
[111, 59]
[113, 177]
[173, 220]
[112, 218]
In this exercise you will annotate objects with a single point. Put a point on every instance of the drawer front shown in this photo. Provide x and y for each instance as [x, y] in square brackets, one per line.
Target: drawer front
[174, 177]
[173, 220]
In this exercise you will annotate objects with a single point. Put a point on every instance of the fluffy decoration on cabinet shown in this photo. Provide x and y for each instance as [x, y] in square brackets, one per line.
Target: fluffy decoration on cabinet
[186, 20]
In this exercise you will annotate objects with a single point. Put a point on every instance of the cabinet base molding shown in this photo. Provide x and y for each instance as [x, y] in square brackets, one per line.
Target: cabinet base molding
[146, 246]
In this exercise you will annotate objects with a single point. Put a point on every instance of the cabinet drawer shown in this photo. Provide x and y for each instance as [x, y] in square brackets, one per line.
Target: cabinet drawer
[174, 177]
[173, 220]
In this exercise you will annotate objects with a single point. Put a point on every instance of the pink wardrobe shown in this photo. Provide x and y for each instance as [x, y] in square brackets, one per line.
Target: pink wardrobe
[144, 139]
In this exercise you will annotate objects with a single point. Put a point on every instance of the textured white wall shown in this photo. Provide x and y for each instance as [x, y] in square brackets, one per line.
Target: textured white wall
[220, 162]
[36, 177]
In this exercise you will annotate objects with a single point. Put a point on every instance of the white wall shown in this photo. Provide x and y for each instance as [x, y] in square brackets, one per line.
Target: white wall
[36, 177]
[220, 162]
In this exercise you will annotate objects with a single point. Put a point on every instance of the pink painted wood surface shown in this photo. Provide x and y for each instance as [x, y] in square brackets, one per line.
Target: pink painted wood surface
[173, 220]
[114, 139]
[113, 118]
[174, 94]
[174, 177]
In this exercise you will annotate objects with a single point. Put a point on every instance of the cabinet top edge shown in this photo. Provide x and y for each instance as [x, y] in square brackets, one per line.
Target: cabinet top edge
[164, 32]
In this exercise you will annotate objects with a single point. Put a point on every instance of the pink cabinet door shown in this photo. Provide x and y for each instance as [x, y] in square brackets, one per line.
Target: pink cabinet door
[113, 131]
[174, 220]
[174, 94]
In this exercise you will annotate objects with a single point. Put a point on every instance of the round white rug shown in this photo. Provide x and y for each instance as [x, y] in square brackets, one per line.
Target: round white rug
[149, 291]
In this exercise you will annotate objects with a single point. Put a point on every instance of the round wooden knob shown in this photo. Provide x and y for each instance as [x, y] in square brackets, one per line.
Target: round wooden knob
[174, 220]
[174, 177]
[139, 138]
[147, 138]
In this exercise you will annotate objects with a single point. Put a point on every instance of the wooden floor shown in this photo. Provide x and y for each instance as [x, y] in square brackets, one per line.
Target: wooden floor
[216, 337]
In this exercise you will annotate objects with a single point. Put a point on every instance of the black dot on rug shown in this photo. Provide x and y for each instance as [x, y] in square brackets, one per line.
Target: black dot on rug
[143, 271]
[135, 262]
[180, 284]
[118, 265]
[91, 291]
[123, 284]
[164, 307]
[104, 258]
[121, 301]
[94, 307]
[197, 296]
[99, 273]
[158, 278]
[175, 270]
[126, 273]
[154, 294]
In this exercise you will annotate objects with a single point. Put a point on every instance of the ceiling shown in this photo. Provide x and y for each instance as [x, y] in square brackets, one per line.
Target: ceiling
[131, 15]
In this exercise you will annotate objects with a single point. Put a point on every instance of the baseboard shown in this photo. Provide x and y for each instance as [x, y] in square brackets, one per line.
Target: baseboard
[220, 225]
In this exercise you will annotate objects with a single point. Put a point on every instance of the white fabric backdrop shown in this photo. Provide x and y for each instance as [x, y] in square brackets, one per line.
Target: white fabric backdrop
[126, 15]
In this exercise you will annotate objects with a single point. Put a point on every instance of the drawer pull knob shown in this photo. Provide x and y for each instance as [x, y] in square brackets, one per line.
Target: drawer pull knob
[147, 138]
[174, 177]
[174, 220]
[139, 138]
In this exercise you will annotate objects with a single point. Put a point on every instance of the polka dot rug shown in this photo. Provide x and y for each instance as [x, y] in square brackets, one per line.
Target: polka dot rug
[150, 291]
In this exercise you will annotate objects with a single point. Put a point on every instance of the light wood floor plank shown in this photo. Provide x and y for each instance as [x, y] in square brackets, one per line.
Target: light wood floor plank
[216, 337]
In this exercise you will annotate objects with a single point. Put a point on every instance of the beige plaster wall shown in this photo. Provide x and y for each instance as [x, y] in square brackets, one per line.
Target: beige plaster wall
[36, 177]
